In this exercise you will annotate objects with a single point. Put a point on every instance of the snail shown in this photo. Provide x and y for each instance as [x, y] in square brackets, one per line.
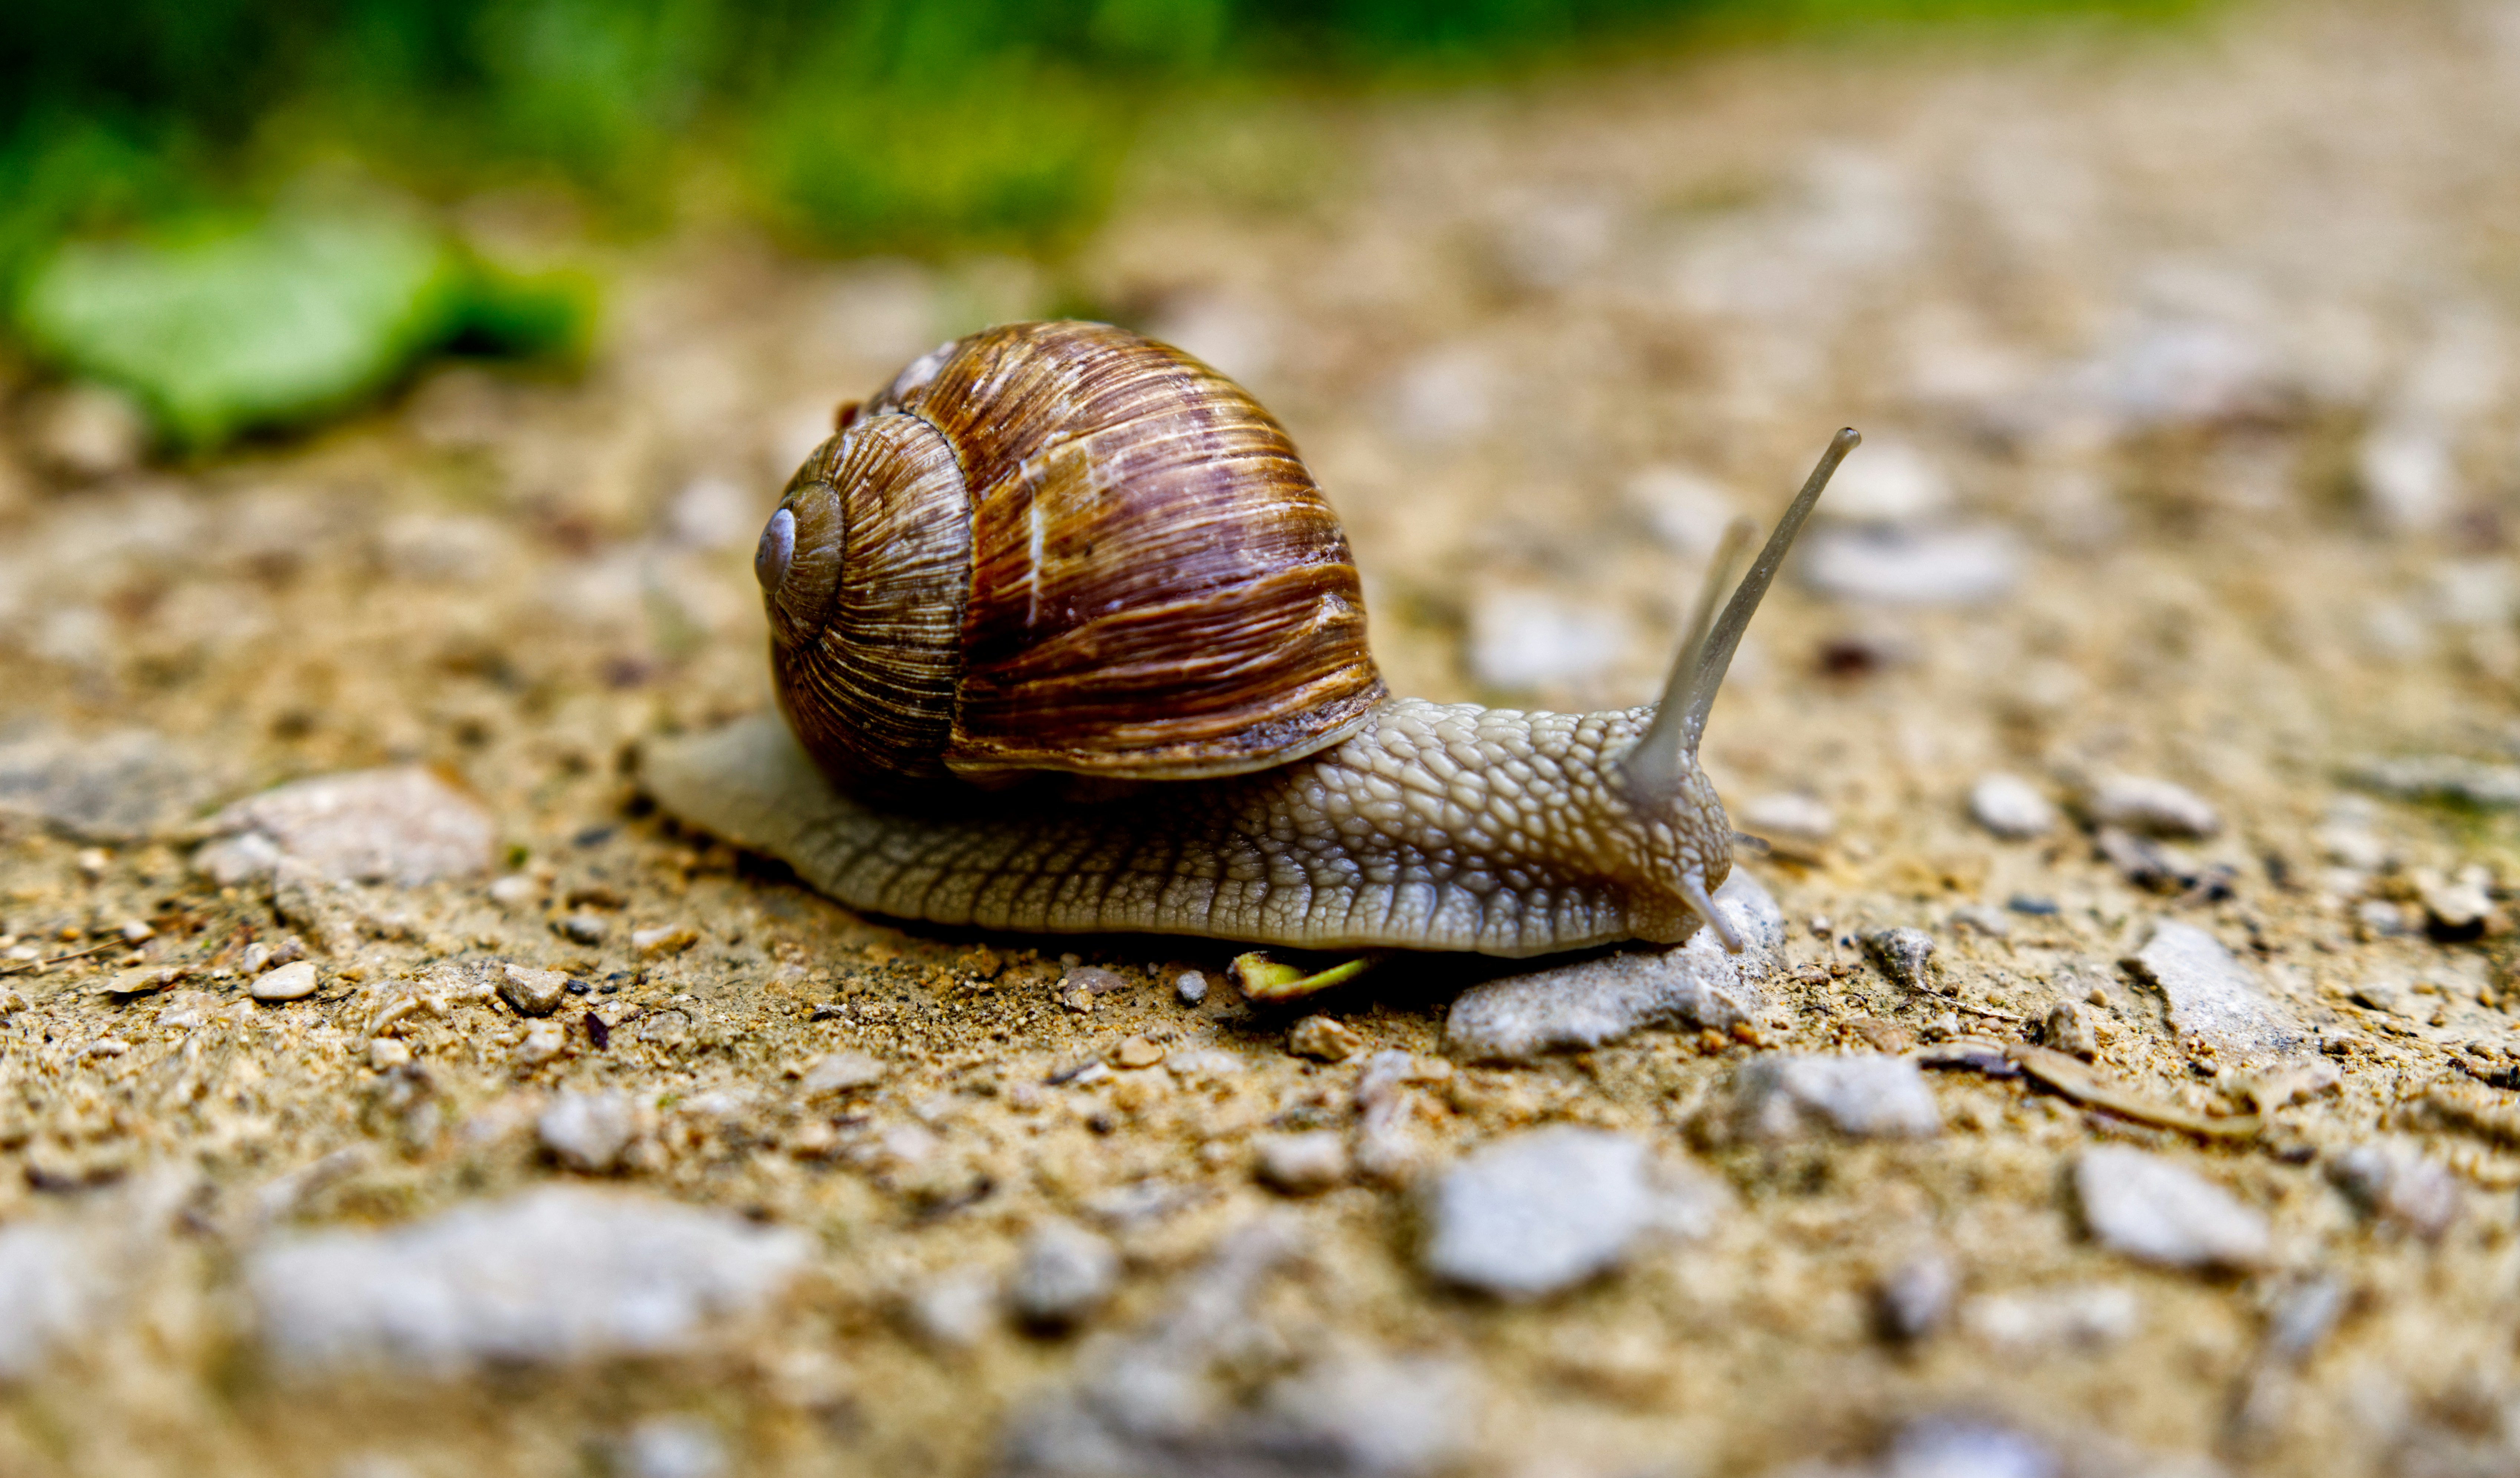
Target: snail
[1065, 638]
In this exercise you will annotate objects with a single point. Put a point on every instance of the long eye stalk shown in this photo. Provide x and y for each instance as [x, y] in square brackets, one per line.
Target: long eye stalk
[1660, 758]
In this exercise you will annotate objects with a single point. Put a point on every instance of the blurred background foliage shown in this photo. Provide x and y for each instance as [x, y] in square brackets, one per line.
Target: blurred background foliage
[850, 126]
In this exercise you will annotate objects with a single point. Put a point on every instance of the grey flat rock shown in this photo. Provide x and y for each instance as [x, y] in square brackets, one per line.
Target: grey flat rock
[1860, 1095]
[555, 1274]
[49, 1293]
[1596, 1001]
[1539, 1212]
[2157, 1211]
[1160, 1401]
[121, 787]
[404, 826]
[2213, 998]
[1914, 567]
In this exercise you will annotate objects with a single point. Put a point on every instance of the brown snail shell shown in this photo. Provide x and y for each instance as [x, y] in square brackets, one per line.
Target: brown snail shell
[1063, 548]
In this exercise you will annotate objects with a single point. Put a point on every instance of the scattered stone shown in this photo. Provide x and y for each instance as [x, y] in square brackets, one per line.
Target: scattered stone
[543, 1040]
[1303, 1163]
[583, 926]
[1137, 1052]
[663, 941]
[2068, 1030]
[2156, 866]
[11, 1003]
[1393, 1143]
[385, 1053]
[588, 1131]
[127, 786]
[1597, 1001]
[403, 826]
[1539, 1212]
[292, 981]
[1860, 1095]
[1904, 955]
[1522, 639]
[2441, 779]
[284, 1194]
[1062, 1277]
[2398, 1184]
[2149, 807]
[1915, 1301]
[1944, 1447]
[1154, 1409]
[1967, 566]
[2458, 906]
[143, 980]
[2384, 994]
[841, 1072]
[2304, 1315]
[673, 1447]
[1095, 979]
[516, 891]
[954, 1312]
[2011, 808]
[556, 1274]
[50, 1293]
[1790, 817]
[2158, 1212]
[1202, 1063]
[1323, 1037]
[1192, 988]
[1892, 483]
[532, 991]
[2084, 1316]
[1982, 918]
[2213, 997]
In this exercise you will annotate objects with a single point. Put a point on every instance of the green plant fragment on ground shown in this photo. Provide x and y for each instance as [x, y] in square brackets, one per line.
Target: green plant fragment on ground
[283, 320]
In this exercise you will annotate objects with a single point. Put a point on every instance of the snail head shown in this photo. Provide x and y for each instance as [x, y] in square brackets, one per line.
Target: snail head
[1680, 830]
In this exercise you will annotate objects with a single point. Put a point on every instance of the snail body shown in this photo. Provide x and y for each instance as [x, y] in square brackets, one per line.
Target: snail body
[1066, 639]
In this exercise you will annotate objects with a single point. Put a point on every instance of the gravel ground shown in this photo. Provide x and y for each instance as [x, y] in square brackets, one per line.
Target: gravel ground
[386, 1087]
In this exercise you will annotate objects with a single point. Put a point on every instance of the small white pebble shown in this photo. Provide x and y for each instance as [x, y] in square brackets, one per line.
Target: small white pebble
[1063, 1274]
[663, 940]
[514, 890]
[543, 1042]
[386, 1052]
[1192, 988]
[291, 982]
[1095, 979]
[1304, 1164]
[1791, 817]
[841, 1072]
[530, 991]
[94, 861]
[2010, 806]
[588, 1131]
[137, 931]
[2154, 807]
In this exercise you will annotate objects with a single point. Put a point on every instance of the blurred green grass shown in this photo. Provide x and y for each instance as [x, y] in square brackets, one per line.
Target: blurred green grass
[890, 124]
[926, 127]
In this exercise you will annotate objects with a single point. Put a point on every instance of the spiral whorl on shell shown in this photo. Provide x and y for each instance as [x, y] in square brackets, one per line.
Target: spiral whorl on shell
[1061, 546]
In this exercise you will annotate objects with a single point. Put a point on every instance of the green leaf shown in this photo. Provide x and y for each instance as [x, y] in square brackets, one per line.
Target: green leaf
[240, 326]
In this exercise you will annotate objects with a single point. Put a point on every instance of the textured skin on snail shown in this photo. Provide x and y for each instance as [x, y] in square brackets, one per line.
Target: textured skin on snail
[1067, 639]
[1435, 827]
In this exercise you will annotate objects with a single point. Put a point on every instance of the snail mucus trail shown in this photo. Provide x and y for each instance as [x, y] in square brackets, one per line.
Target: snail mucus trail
[1065, 638]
